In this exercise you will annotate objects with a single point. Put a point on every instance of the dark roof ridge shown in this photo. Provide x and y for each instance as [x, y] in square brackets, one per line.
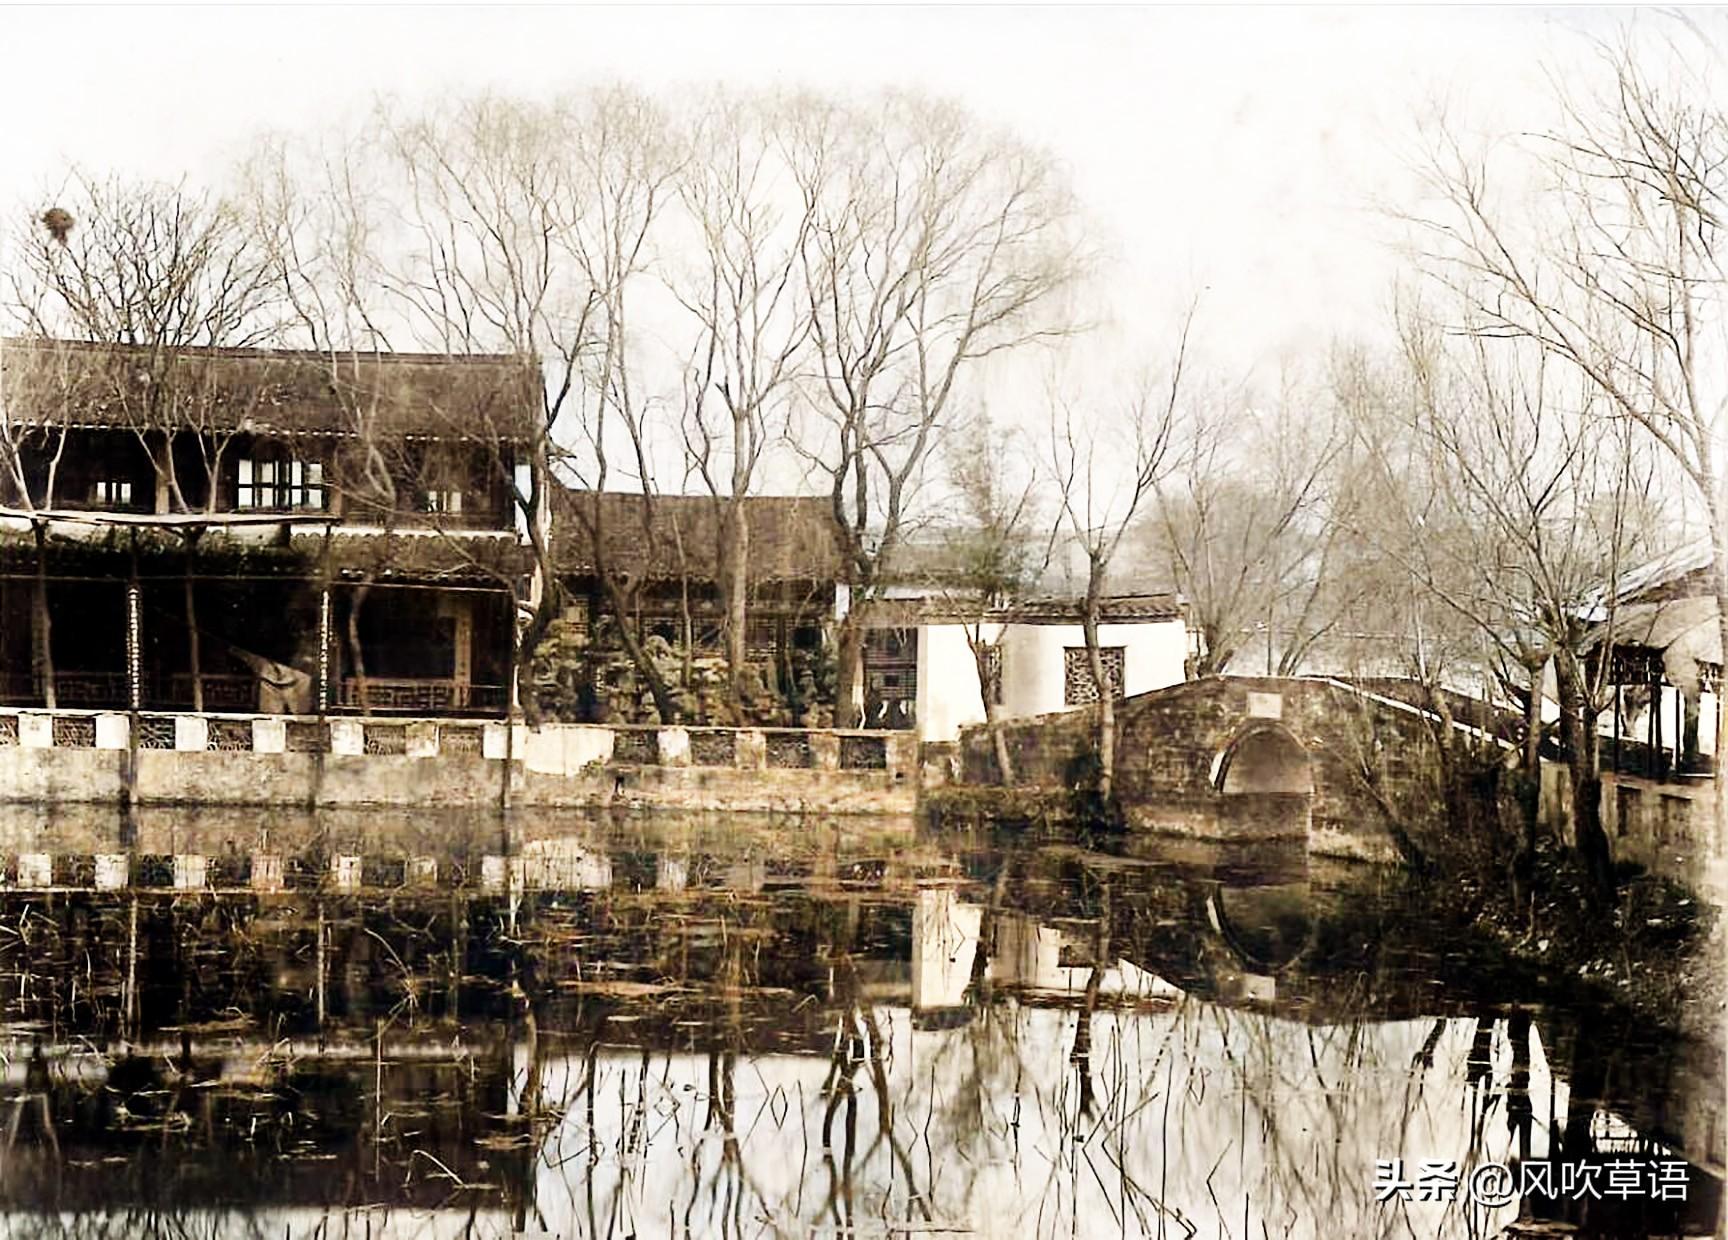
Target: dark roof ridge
[260, 352]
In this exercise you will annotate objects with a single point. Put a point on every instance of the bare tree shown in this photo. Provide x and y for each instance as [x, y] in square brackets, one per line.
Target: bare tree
[520, 229]
[1519, 515]
[749, 228]
[39, 388]
[993, 555]
[931, 247]
[156, 269]
[1243, 528]
[1108, 464]
[1621, 277]
[315, 216]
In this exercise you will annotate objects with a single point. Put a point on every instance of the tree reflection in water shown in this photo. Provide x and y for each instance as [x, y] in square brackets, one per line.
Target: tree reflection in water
[786, 1031]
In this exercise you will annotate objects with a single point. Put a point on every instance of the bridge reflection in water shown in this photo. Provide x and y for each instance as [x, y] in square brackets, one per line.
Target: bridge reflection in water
[703, 1027]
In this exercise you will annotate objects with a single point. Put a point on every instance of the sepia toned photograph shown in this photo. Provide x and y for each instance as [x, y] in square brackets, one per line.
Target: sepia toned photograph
[863, 622]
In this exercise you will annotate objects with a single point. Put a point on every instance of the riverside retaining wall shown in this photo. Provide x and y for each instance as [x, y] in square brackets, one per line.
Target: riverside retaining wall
[85, 757]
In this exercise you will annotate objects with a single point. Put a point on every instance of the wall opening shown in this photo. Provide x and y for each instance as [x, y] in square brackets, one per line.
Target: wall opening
[1266, 760]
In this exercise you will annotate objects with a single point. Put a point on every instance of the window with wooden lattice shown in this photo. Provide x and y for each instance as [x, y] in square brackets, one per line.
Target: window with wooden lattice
[1077, 686]
[576, 613]
[762, 638]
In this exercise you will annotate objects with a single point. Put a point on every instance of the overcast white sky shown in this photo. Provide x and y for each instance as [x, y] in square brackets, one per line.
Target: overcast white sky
[1238, 150]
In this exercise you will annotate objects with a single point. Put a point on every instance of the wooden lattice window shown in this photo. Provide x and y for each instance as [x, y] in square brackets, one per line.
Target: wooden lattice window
[637, 745]
[272, 479]
[863, 753]
[111, 492]
[74, 732]
[308, 737]
[386, 738]
[460, 740]
[230, 735]
[762, 638]
[1077, 686]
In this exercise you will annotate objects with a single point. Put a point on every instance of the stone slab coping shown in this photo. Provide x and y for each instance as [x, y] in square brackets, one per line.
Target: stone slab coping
[258, 873]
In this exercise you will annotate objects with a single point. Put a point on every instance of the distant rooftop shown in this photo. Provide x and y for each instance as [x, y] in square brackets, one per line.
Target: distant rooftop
[668, 537]
[80, 384]
[939, 608]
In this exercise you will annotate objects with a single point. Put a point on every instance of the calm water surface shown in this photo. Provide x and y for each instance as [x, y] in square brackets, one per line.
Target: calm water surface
[671, 1027]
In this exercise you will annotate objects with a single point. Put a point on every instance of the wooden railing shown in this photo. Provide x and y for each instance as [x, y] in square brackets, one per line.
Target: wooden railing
[418, 696]
[224, 691]
[74, 689]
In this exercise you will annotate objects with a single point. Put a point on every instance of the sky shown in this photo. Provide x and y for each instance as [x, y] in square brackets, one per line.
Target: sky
[1242, 154]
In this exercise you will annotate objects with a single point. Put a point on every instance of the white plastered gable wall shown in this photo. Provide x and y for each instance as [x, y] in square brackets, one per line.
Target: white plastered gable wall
[1033, 668]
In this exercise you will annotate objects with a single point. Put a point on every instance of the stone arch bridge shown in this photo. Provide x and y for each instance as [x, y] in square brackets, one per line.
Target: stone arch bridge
[1239, 757]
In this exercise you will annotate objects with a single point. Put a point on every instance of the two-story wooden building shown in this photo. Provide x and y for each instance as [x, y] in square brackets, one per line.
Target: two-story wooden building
[245, 529]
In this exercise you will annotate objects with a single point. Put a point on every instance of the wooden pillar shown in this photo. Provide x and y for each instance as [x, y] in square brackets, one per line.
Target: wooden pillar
[1619, 712]
[134, 644]
[464, 641]
[324, 650]
[1654, 763]
[460, 609]
[1691, 705]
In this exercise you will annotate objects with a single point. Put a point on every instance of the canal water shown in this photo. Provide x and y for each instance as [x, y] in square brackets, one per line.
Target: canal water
[666, 1026]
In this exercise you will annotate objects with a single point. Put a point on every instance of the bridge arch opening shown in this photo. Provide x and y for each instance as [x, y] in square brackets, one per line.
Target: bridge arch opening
[1264, 928]
[1266, 760]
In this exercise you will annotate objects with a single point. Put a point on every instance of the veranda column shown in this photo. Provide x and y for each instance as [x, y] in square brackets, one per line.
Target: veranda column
[324, 650]
[134, 644]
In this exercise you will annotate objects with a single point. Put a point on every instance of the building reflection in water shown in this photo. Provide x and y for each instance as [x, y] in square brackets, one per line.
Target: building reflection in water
[691, 1029]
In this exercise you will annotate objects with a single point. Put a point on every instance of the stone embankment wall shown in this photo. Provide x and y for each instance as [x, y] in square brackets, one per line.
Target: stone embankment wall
[1667, 826]
[83, 757]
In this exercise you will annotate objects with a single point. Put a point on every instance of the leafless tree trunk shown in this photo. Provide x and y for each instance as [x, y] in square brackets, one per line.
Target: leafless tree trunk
[1106, 467]
[991, 555]
[752, 324]
[154, 269]
[43, 650]
[527, 227]
[1619, 272]
[930, 248]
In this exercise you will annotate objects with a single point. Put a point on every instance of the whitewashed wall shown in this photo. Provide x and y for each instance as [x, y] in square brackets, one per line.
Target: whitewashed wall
[1154, 654]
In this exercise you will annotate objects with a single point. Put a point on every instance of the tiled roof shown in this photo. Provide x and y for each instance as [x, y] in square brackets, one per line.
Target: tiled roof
[451, 396]
[1037, 609]
[1685, 625]
[666, 537]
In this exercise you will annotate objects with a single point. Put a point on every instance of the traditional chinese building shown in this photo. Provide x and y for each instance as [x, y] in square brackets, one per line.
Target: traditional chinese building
[1667, 668]
[1658, 734]
[919, 668]
[664, 555]
[247, 529]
